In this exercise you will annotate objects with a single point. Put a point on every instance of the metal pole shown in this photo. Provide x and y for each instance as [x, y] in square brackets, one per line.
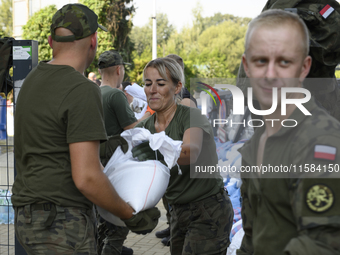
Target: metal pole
[25, 58]
[154, 32]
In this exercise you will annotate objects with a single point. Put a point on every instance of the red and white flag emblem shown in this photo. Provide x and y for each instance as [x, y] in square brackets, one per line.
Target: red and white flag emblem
[324, 152]
[326, 11]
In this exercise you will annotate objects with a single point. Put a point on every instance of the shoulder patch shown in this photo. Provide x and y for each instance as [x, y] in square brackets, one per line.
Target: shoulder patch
[324, 152]
[326, 11]
[319, 198]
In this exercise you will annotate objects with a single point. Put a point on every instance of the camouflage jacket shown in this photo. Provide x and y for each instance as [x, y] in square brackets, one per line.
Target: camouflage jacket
[324, 49]
[289, 213]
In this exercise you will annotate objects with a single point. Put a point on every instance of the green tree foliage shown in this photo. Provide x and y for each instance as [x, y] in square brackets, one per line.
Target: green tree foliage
[337, 74]
[6, 20]
[218, 18]
[105, 41]
[211, 48]
[113, 14]
[136, 74]
[221, 48]
[38, 28]
[116, 16]
[142, 39]
[214, 44]
[198, 22]
[119, 22]
[142, 36]
[2, 33]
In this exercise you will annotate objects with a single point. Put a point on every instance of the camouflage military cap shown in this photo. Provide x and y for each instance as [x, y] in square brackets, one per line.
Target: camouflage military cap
[78, 18]
[110, 58]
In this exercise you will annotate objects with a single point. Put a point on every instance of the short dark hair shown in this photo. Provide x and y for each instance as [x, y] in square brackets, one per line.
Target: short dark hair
[125, 84]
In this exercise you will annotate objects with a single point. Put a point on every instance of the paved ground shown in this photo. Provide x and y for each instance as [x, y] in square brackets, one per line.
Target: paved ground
[6, 239]
[147, 244]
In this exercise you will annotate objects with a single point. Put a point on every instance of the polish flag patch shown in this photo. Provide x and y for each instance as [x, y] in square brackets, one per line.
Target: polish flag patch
[324, 152]
[326, 11]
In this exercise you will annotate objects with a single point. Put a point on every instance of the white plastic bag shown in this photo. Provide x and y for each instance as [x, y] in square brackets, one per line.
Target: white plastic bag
[141, 184]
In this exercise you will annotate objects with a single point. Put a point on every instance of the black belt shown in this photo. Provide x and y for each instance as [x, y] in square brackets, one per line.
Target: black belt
[44, 206]
[50, 207]
[36, 207]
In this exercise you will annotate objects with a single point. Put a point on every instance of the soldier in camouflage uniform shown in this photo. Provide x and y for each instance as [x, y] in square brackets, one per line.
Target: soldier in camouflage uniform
[118, 116]
[297, 211]
[324, 48]
[58, 125]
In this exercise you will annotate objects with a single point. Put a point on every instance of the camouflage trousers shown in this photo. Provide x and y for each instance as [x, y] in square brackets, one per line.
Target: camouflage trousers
[110, 237]
[202, 227]
[166, 206]
[54, 230]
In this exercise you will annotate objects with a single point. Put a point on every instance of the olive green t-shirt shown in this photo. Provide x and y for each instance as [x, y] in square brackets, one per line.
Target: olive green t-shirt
[182, 189]
[56, 106]
[117, 112]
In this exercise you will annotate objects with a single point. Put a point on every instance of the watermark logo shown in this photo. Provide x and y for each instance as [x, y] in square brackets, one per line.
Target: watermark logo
[208, 92]
[239, 103]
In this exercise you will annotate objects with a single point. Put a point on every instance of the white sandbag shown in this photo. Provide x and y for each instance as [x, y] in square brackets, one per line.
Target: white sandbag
[140, 184]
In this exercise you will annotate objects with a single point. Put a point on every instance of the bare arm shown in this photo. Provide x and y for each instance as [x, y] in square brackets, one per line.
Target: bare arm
[191, 147]
[89, 178]
[146, 115]
[131, 125]
[188, 102]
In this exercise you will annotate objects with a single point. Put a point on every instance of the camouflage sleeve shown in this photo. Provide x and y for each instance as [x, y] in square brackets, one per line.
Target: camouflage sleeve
[247, 220]
[315, 200]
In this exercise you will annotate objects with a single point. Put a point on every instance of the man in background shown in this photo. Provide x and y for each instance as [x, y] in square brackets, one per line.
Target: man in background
[118, 116]
[187, 98]
[128, 96]
[93, 77]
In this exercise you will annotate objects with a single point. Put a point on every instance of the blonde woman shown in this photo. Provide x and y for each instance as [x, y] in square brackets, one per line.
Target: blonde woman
[201, 211]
